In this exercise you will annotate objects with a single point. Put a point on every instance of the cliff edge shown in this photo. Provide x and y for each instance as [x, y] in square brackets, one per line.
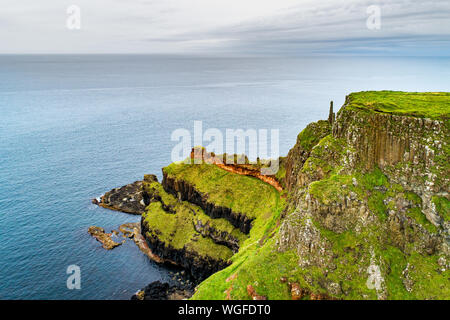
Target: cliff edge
[368, 211]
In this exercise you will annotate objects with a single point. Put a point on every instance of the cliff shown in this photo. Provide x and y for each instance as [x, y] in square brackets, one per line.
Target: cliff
[201, 215]
[358, 210]
[367, 215]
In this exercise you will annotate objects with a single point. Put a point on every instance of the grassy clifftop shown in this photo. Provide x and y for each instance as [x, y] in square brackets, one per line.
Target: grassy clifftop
[245, 195]
[350, 230]
[432, 105]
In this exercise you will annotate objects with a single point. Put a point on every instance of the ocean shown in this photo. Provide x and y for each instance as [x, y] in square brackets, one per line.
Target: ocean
[75, 126]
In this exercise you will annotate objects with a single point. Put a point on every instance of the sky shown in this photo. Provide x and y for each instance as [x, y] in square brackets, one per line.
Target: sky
[227, 27]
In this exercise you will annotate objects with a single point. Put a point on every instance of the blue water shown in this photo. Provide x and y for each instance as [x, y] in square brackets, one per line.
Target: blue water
[73, 127]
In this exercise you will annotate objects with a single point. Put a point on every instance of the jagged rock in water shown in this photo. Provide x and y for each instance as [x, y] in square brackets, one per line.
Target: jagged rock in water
[129, 198]
[103, 237]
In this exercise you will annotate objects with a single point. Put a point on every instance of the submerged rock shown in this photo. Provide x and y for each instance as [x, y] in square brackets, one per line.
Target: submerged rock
[103, 237]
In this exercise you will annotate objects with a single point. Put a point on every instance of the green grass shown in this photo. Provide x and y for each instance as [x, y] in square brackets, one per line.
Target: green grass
[242, 194]
[312, 134]
[433, 105]
[177, 231]
[420, 218]
[442, 207]
[255, 263]
[156, 190]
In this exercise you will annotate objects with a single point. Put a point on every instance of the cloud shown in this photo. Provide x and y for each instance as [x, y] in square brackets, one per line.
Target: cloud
[408, 27]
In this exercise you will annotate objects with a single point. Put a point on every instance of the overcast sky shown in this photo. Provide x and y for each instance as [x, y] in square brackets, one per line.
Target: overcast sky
[227, 27]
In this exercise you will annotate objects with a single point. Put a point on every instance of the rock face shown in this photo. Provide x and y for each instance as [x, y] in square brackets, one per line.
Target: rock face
[142, 244]
[163, 291]
[186, 192]
[297, 156]
[411, 151]
[128, 199]
[200, 267]
[181, 233]
[218, 236]
[367, 211]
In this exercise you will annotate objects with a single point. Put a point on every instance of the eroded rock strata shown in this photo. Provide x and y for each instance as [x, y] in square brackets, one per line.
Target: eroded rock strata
[187, 192]
[128, 199]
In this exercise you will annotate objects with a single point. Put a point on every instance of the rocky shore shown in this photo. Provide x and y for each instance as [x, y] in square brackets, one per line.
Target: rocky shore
[128, 199]
[164, 291]
[359, 210]
[103, 237]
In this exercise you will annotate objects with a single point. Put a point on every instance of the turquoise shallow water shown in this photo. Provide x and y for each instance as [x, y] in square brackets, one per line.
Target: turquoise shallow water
[73, 127]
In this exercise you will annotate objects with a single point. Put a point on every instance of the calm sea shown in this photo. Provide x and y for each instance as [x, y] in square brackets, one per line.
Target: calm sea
[73, 127]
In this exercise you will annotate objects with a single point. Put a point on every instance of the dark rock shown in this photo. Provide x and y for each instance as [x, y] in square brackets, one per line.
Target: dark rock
[150, 178]
[187, 192]
[162, 291]
[198, 266]
[297, 156]
[252, 293]
[128, 199]
[219, 237]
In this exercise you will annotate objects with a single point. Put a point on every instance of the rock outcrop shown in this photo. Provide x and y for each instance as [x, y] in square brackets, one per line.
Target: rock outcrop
[297, 156]
[103, 237]
[367, 212]
[365, 197]
[187, 192]
[200, 267]
[182, 234]
[128, 199]
[158, 290]
[368, 208]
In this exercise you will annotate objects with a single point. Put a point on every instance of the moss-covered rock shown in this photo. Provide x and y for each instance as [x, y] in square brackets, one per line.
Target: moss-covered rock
[367, 216]
[221, 194]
